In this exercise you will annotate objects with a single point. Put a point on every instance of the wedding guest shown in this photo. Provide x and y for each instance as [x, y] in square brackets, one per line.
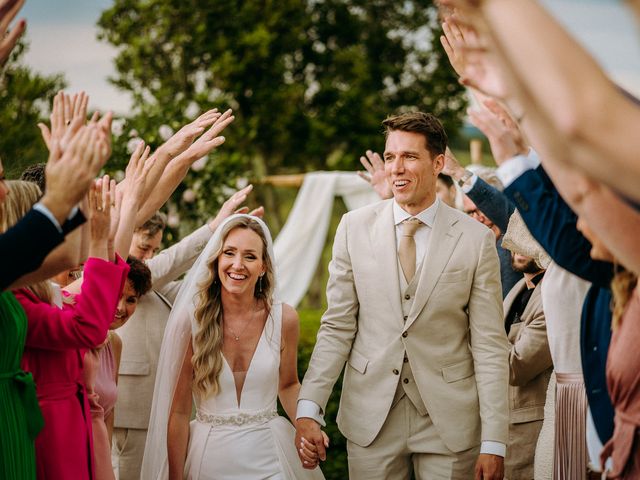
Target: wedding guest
[101, 367]
[530, 362]
[56, 338]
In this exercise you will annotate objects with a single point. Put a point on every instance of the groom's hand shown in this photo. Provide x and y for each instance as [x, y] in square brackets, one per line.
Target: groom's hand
[489, 467]
[309, 430]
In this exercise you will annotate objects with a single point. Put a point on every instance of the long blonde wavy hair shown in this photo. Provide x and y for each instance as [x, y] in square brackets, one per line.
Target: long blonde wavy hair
[207, 358]
[22, 196]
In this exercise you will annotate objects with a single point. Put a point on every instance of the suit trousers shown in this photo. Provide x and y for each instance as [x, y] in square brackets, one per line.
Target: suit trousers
[408, 442]
[127, 450]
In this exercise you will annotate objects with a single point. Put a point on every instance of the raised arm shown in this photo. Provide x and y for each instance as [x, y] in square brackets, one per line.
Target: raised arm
[8, 39]
[69, 177]
[177, 155]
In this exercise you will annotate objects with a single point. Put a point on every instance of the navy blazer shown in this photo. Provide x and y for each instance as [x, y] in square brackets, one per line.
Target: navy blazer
[25, 245]
[497, 208]
[552, 222]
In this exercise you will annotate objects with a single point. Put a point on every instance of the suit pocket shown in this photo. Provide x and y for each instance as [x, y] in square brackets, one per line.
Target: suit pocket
[453, 277]
[458, 371]
[134, 368]
[358, 362]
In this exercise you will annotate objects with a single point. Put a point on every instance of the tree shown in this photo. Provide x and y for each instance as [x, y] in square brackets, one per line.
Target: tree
[309, 81]
[24, 97]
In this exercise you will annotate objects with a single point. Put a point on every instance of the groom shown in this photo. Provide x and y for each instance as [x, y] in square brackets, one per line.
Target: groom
[415, 310]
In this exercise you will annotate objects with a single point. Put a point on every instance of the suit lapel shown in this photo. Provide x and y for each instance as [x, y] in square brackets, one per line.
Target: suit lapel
[443, 240]
[511, 296]
[526, 313]
[383, 240]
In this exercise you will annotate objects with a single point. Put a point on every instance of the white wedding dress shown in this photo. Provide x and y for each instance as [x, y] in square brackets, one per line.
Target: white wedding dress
[247, 440]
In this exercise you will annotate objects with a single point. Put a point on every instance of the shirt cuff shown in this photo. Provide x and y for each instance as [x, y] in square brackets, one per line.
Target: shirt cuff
[469, 184]
[516, 166]
[310, 409]
[47, 213]
[493, 448]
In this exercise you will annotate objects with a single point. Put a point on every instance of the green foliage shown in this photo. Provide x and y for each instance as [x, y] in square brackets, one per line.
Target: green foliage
[24, 97]
[336, 465]
[309, 81]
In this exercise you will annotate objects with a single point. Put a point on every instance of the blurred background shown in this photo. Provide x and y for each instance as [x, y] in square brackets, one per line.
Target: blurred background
[309, 82]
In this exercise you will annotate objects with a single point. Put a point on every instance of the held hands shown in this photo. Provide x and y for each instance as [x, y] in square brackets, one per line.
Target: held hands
[8, 10]
[489, 467]
[375, 175]
[311, 443]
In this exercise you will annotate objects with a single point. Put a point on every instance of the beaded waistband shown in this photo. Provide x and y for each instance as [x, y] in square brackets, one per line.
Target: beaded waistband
[238, 419]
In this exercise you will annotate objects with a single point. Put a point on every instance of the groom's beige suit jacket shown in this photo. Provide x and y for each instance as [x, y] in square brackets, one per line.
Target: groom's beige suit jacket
[453, 337]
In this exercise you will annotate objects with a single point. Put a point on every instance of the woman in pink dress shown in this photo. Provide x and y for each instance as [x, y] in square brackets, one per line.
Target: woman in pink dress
[55, 345]
[101, 367]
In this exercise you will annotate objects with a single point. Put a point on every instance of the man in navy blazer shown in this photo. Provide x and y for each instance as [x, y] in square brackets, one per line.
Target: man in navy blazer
[553, 224]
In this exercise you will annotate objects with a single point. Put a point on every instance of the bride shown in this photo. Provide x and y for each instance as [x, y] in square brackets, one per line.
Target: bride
[232, 349]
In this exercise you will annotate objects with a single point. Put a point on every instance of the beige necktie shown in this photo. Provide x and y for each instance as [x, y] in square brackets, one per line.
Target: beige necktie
[407, 250]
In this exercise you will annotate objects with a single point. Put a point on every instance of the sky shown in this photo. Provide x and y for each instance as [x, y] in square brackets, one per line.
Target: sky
[62, 38]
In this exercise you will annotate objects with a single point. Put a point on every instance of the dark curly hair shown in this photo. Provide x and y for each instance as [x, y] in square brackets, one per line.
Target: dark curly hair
[140, 276]
[35, 173]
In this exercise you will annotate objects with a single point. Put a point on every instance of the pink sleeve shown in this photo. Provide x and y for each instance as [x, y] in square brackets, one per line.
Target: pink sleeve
[83, 324]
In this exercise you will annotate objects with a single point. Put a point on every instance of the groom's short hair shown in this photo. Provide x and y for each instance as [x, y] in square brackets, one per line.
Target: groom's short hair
[423, 123]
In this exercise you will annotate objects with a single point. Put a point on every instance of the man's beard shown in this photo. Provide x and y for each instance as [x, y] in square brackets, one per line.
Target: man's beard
[530, 267]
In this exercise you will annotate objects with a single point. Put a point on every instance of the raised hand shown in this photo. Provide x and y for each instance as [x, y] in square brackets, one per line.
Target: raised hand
[451, 165]
[68, 114]
[233, 205]
[8, 11]
[505, 137]
[210, 139]
[375, 175]
[100, 218]
[184, 137]
[470, 58]
[69, 175]
[136, 174]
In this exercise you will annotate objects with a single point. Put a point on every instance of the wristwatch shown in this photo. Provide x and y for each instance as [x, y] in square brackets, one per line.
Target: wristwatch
[463, 179]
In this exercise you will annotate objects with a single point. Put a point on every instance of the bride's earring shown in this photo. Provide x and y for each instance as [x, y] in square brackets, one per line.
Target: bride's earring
[260, 283]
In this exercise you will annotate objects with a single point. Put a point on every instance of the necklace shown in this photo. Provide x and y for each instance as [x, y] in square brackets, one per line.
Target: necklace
[236, 336]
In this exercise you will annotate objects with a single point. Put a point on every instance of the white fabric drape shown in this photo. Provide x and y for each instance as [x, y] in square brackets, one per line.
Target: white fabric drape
[299, 245]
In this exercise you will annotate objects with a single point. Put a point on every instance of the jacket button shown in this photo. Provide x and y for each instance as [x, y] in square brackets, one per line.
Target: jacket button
[407, 297]
[404, 334]
[396, 371]
[405, 318]
[406, 380]
[405, 360]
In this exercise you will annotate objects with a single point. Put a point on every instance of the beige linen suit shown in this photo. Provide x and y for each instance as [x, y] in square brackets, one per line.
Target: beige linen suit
[452, 336]
[530, 367]
[141, 342]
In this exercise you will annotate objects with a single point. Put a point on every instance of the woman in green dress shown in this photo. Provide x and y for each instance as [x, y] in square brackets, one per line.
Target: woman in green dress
[20, 417]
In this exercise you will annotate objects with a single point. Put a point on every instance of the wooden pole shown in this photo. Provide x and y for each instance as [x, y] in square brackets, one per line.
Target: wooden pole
[475, 147]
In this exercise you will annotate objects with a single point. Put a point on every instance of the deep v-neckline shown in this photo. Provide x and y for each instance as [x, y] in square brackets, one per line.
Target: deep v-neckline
[226, 362]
